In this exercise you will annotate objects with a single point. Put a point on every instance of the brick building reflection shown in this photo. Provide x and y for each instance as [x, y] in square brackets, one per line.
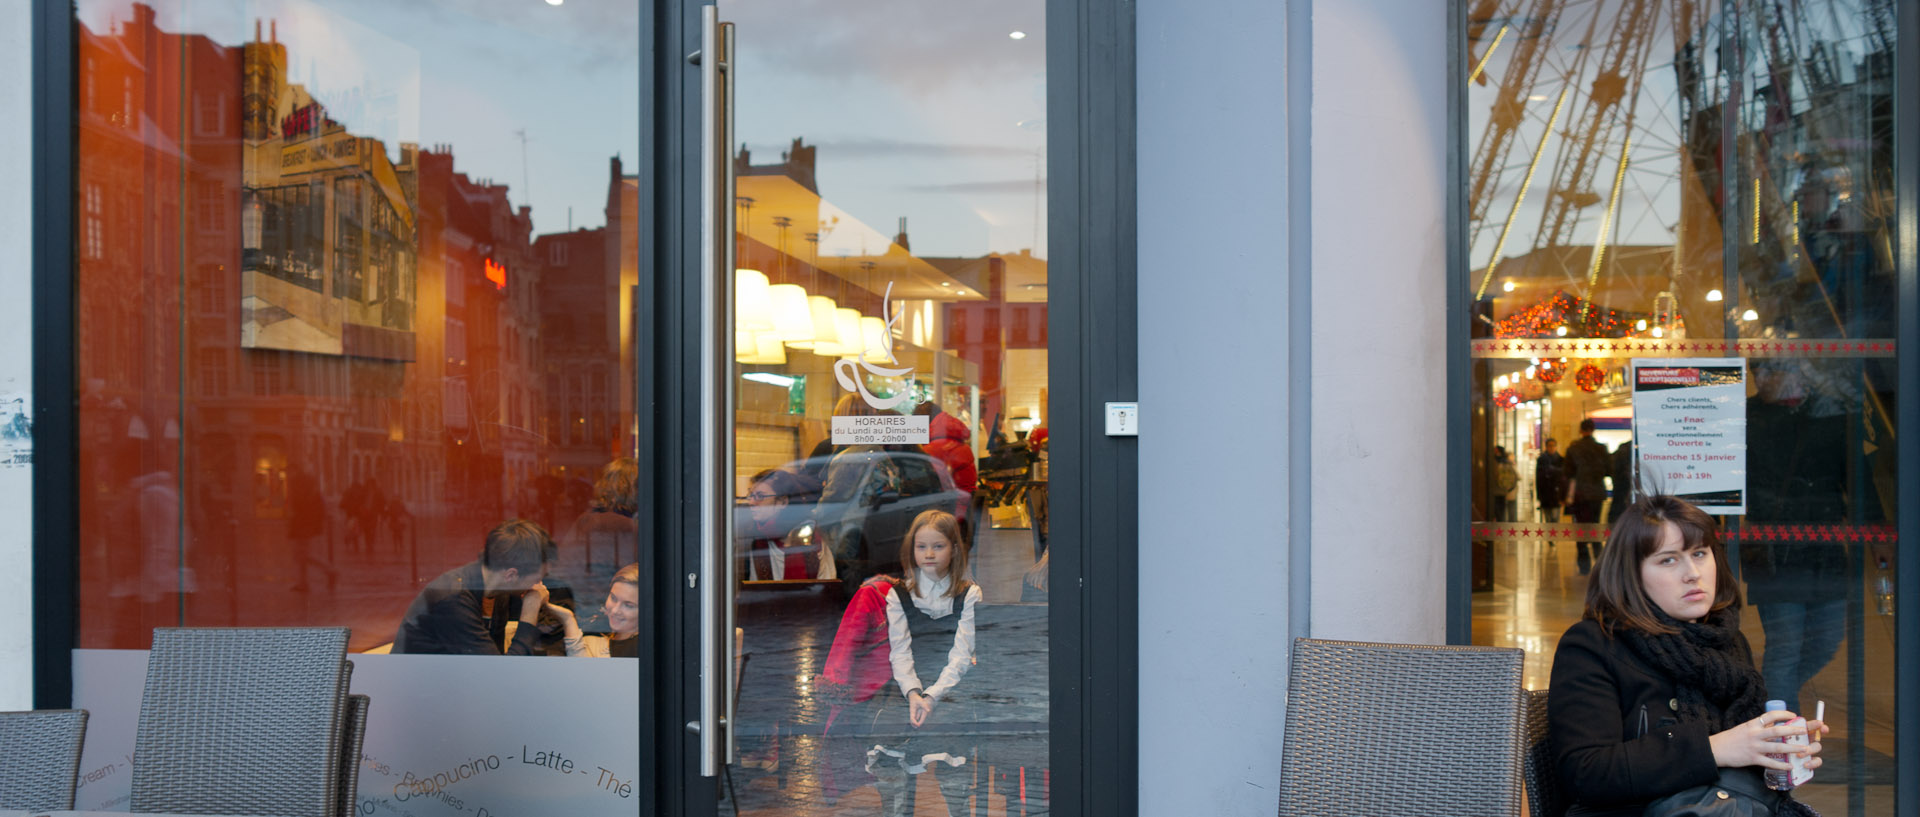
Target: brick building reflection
[249, 458]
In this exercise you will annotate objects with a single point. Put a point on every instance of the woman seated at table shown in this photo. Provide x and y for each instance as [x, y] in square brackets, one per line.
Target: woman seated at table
[619, 618]
[1654, 691]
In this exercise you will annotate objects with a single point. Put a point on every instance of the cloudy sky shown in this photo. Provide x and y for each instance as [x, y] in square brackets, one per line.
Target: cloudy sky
[920, 108]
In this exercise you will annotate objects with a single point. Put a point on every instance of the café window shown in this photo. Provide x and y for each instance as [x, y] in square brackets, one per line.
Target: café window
[1680, 232]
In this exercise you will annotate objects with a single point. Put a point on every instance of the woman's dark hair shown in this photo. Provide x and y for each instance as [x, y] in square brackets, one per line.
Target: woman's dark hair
[1616, 598]
[948, 527]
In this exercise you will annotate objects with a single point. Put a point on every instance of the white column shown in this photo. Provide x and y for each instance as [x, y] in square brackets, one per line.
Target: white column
[1214, 420]
[1379, 340]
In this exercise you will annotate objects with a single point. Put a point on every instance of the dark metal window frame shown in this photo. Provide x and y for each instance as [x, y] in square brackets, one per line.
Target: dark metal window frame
[1094, 612]
[56, 483]
[1907, 262]
[1092, 217]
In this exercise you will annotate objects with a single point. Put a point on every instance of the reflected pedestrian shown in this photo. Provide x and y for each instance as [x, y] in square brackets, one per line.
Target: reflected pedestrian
[1588, 465]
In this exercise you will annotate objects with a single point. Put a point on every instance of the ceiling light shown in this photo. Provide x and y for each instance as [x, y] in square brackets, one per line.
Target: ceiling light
[1018, 35]
[1561, 331]
[1749, 315]
[1714, 295]
[1658, 332]
[1507, 287]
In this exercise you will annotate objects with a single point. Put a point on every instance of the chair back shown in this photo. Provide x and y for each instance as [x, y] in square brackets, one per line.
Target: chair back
[1401, 729]
[356, 722]
[1543, 788]
[42, 759]
[242, 721]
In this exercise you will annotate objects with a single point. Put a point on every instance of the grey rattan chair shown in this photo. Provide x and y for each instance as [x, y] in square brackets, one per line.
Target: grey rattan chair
[242, 721]
[356, 734]
[1543, 788]
[1401, 729]
[42, 759]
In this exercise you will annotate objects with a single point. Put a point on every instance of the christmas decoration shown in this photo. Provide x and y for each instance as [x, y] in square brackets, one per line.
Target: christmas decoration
[1579, 317]
[1550, 371]
[1507, 399]
[1590, 377]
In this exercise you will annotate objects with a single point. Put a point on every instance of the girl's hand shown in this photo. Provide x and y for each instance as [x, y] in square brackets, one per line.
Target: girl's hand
[919, 708]
[1750, 743]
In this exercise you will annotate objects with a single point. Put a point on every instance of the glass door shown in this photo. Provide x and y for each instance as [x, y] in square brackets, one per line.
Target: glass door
[885, 411]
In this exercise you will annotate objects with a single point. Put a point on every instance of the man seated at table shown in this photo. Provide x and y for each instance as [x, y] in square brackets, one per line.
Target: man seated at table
[449, 616]
[778, 535]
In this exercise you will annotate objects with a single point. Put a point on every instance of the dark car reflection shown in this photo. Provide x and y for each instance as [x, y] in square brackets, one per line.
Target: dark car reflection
[853, 510]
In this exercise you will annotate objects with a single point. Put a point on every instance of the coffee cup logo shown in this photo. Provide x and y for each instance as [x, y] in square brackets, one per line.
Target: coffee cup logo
[847, 372]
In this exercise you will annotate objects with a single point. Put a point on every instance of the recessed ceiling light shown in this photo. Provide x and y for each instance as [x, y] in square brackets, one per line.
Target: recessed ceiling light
[946, 283]
[1018, 35]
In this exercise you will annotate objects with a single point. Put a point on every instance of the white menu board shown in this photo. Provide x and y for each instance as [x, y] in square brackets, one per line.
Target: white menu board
[1690, 430]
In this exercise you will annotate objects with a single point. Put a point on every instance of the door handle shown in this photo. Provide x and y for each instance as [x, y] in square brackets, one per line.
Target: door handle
[714, 584]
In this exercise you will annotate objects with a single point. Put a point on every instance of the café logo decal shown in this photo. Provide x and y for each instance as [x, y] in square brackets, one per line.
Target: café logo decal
[847, 372]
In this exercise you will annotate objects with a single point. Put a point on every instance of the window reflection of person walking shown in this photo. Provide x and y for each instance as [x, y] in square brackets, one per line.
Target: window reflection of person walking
[307, 528]
[1550, 481]
[1506, 481]
[1588, 465]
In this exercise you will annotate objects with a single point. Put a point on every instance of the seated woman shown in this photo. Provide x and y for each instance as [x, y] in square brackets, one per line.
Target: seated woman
[1654, 691]
[622, 620]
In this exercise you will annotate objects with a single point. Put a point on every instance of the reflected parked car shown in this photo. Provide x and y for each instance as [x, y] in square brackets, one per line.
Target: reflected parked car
[862, 511]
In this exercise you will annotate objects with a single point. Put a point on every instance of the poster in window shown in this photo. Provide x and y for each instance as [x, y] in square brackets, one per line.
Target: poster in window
[329, 235]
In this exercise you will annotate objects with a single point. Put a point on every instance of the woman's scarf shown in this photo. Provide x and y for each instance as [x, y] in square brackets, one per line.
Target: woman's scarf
[1717, 681]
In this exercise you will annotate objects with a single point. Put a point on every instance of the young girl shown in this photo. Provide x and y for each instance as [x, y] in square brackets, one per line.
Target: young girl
[920, 721]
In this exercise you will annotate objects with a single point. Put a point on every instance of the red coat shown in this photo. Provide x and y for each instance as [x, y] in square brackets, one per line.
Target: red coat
[947, 442]
[858, 664]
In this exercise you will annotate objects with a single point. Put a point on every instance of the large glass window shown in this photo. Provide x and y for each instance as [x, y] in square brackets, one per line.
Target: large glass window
[354, 292]
[891, 382]
[1661, 190]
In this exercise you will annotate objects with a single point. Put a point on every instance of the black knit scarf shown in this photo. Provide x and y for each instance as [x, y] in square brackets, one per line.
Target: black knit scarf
[1717, 682]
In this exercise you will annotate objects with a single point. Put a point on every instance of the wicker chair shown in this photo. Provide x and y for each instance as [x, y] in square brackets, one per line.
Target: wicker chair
[1543, 788]
[1401, 729]
[42, 760]
[243, 721]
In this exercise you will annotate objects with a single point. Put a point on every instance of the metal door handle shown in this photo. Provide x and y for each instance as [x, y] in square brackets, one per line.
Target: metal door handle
[715, 584]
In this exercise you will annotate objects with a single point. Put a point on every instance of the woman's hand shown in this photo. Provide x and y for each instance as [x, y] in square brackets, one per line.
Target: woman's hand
[1750, 743]
[568, 621]
[919, 708]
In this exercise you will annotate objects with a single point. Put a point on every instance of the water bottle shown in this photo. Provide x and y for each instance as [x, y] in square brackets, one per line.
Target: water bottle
[1783, 779]
[1883, 588]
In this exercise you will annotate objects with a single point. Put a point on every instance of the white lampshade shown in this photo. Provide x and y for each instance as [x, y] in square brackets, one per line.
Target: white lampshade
[876, 340]
[825, 336]
[792, 320]
[846, 328]
[752, 303]
[759, 348]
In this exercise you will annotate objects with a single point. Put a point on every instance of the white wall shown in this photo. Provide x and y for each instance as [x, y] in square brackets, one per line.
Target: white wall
[1213, 404]
[16, 325]
[1379, 340]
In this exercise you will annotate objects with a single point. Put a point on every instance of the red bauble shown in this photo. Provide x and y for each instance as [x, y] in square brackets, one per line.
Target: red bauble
[1550, 371]
[1590, 377]
[1507, 399]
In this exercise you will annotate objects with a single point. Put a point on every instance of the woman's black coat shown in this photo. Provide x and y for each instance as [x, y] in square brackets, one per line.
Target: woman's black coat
[1607, 760]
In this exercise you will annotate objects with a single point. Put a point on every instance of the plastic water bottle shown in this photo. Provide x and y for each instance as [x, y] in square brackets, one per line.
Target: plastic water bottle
[1883, 589]
[1783, 779]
